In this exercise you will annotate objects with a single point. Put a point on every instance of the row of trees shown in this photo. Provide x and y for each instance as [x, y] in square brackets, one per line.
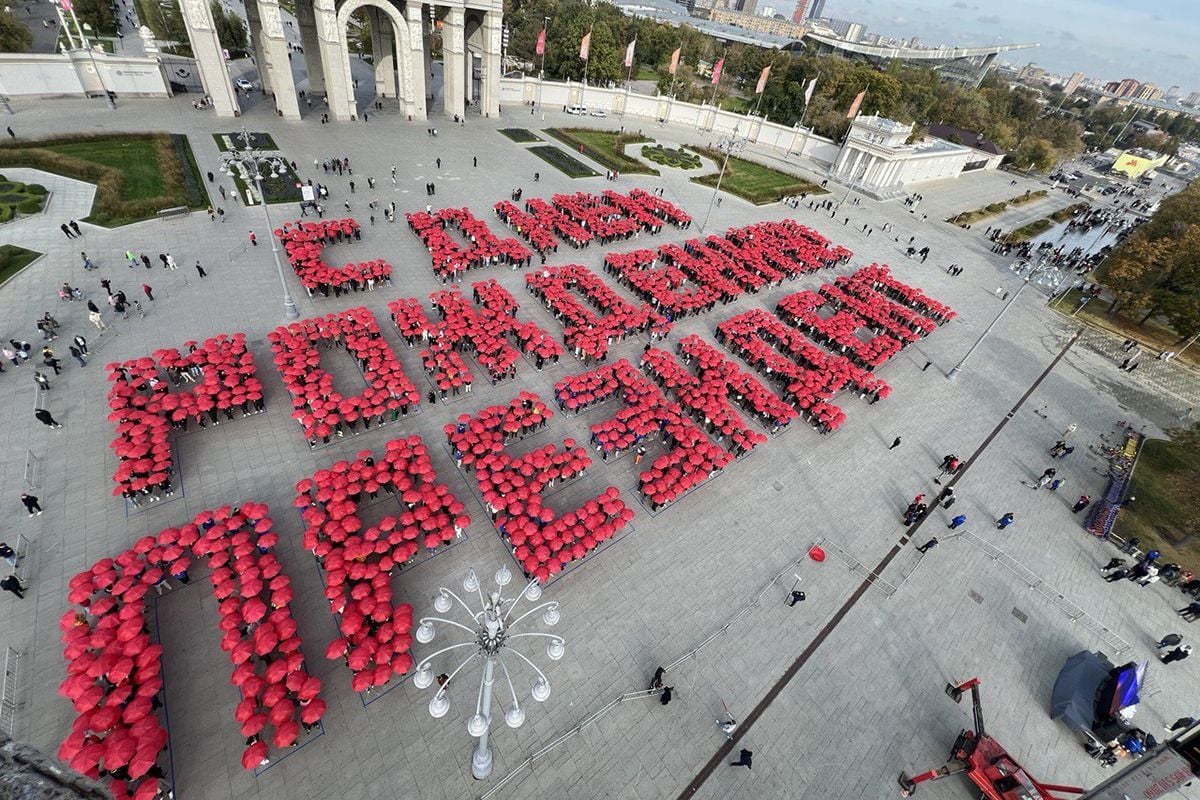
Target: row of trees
[1156, 271]
[1010, 117]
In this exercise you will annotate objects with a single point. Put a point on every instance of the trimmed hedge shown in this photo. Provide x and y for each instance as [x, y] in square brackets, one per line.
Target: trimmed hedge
[563, 162]
[670, 157]
[971, 217]
[179, 175]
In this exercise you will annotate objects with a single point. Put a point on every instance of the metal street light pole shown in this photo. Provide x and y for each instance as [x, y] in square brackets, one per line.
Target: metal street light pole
[491, 632]
[542, 71]
[1046, 274]
[728, 145]
[253, 161]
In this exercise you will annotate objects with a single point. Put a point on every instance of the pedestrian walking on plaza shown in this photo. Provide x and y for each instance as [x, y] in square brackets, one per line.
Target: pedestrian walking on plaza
[474, 161]
[1070, 429]
[727, 725]
[1059, 446]
[1113, 563]
[895, 443]
[744, 759]
[75, 227]
[94, 318]
[31, 505]
[149, 290]
[957, 521]
[1005, 521]
[253, 239]
[639, 455]
[50, 360]
[12, 584]
[200, 270]
[656, 682]
[42, 381]
[948, 497]
[925, 548]
[1178, 654]
[8, 554]
[1116, 575]
[10, 132]
[1083, 502]
[666, 695]
[44, 417]
[351, 187]
[66, 231]
[439, 163]
[81, 343]
[1045, 479]
[1181, 723]
[145, 261]
[1170, 640]
[77, 354]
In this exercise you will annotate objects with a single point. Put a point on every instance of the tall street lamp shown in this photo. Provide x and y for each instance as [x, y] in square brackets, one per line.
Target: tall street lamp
[491, 635]
[1045, 274]
[252, 162]
[728, 145]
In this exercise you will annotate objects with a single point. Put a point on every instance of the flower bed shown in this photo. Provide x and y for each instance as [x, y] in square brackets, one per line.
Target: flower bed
[322, 411]
[589, 333]
[542, 542]
[114, 673]
[304, 244]
[145, 410]
[359, 560]
[451, 259]
[671, 157]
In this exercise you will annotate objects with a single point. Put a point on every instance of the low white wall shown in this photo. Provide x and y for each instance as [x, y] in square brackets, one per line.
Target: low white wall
[74, 73]
[782, 139]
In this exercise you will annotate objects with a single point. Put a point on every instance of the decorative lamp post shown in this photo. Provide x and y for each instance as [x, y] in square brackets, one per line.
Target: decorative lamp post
[252, 162]
[490, 629]
[1045, 274]
[728, 145]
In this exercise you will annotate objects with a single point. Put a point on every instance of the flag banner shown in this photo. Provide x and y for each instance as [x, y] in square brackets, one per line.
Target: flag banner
[585, 44]
[675, 60]
[541, 43]
[65, 4]
[808, 93]
[762, 79]
[857, 102]
[629, 53]
[720, 65]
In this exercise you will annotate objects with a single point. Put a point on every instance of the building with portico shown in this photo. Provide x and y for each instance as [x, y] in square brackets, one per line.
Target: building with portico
[401, 32]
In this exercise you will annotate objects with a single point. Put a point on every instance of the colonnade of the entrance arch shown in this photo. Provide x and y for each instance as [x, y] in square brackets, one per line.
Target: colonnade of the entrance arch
[402, 63]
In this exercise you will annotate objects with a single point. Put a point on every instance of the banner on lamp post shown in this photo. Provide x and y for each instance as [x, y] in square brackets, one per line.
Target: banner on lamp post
[541, 43]
[675, 60]
[808, 93]
[629, 54]
[720, 65]
[762, 79]
[585, 44]
[856, 104]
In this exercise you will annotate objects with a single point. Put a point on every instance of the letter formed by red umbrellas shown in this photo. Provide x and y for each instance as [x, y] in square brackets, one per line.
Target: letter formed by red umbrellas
[145, 410]
[359, 561]
[481, 331]
[114, 674]
[542, 542]
[589, 333]
[322, 411]
[451, 259]
[305, 243]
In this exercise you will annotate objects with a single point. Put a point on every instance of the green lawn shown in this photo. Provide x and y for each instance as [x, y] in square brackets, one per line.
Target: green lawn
[18, 198]
[752, 181]
[604, 147]
[13, 259]
[644, 73]
[564, 162]
[136, 175]
[1166, 513]
[229, 141]
[671, 157]
[521, 135]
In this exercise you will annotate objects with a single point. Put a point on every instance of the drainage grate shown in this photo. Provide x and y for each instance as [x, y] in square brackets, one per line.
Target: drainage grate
[976, 596]
[777, 486]
[1021, 615]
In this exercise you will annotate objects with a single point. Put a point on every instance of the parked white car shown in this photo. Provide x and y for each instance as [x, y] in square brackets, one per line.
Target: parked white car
[579, 111]
[599, 112]
[244, 85]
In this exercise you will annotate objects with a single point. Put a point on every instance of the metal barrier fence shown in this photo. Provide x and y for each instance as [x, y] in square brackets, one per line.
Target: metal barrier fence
[8, 693]
[857, 567]
[32, 466]
[1056, 598]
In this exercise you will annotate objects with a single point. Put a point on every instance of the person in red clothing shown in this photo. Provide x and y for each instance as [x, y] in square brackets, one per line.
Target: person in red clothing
[1083, 502]
[149, 290]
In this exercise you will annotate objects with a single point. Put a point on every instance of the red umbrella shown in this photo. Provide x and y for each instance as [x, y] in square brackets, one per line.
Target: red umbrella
[254, 610]
[103, 719]
[286, 734]
[281, 712]
[254, 725]
[118, 750]
[254, 755]
[312, 713]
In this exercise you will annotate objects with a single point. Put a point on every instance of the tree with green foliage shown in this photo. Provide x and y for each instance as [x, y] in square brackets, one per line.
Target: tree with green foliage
[231, 30]
[98, 14]
[14, 36]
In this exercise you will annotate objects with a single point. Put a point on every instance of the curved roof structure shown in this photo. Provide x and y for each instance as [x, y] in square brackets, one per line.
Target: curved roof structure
[914, 53]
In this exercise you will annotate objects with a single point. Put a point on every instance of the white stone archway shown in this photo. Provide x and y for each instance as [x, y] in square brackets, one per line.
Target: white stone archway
[410, 59]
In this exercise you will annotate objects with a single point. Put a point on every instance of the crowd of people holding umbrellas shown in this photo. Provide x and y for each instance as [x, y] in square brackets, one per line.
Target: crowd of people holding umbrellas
[359, 560]
[482, 330]
[114, 675]
[304, 243]
[322, 411]
[542, 541]
[146, 405]
[451, 259]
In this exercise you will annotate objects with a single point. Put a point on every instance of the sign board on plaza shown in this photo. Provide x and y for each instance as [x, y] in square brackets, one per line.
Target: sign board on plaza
[1150, 778]
[309, 193]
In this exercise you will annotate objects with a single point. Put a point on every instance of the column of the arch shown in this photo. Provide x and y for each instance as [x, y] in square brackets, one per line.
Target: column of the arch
[414, 56]
[336, 60]
[210, 58]
[312, 47]
[454, 47]
[258, 45]
[381, 50]
[490, 79]
[278, 66]
[427, 33]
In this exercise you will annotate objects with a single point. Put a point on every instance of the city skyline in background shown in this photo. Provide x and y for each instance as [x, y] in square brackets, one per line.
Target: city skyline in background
[1105, 39]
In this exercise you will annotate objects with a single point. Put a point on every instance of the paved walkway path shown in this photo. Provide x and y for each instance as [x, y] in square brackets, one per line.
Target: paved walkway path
[866, 705]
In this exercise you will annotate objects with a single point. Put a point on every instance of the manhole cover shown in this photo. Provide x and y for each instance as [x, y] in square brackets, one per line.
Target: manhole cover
[778, 486]
[974, 595]
[1021, 615]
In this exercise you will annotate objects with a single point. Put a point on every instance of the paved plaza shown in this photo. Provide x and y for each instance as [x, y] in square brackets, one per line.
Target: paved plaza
[866, 704]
